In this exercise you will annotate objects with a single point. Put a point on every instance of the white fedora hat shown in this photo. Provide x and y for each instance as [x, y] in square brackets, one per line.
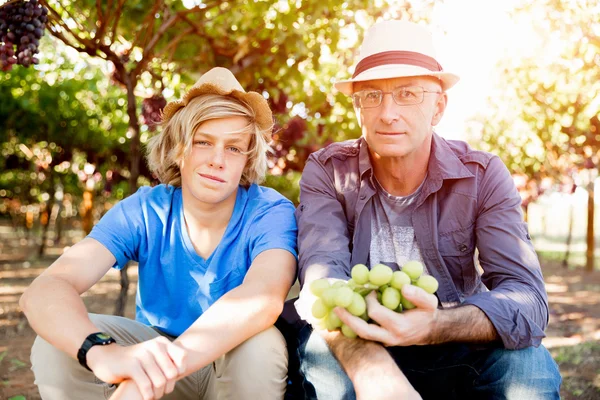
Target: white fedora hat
[394, 49]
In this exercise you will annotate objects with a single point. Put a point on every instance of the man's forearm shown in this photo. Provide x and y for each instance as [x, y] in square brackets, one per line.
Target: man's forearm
[366, 362]
[235, 317]
[463, 324]
[56, 312]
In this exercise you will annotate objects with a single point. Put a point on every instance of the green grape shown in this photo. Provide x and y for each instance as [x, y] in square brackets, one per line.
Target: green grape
[390, 298]
[360, 274]
[380, 275]
[379, 296]
[320, 324]
[358, 305]
[365, 316]
[344, 297]
[428, 283]
[328, 297]
[351, 284]
[318, 287]
[413, 269]
[407, 305]
[338, 284]
[399, 308]
[399, 279]
[383, 287]
[348, 332]
[319, 310]
[332, 321]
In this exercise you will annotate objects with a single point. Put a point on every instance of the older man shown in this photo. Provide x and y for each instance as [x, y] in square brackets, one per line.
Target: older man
[400, 193]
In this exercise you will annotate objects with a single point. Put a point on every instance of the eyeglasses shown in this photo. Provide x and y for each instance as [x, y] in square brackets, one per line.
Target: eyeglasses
[403, 96]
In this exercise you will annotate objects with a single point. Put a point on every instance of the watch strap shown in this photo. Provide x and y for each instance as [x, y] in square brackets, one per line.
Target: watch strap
[94, 339]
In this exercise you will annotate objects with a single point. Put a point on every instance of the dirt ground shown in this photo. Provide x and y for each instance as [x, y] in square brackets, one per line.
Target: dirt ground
[573, 336]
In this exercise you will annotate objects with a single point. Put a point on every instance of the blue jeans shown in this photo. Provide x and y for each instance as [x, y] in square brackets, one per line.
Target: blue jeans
[444, 371]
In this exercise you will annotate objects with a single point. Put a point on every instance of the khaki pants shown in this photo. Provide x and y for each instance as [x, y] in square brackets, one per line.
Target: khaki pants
[256, 369]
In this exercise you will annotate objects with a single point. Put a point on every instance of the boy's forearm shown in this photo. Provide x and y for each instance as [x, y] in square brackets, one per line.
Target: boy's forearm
[235, 317]
[56, 312]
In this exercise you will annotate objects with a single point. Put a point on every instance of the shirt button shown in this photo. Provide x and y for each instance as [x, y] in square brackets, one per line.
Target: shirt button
[463, 248]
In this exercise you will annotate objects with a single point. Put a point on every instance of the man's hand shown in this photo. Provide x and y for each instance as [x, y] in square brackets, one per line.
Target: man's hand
[412, 327]
[153, 365]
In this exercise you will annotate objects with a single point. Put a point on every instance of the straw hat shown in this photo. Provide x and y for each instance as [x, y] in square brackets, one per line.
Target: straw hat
[394, 49]
[222, 82]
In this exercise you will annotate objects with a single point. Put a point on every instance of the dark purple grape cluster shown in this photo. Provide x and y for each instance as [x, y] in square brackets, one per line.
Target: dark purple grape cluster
[22, 25]
[151, 110]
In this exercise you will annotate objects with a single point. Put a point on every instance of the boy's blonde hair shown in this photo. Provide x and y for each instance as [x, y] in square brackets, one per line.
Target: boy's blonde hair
[166, 150]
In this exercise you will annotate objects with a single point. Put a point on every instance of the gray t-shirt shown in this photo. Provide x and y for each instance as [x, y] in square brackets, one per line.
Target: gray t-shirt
[393, 241]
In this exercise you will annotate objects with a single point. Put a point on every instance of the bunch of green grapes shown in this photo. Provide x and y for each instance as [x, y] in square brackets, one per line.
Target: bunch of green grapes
[351, 294]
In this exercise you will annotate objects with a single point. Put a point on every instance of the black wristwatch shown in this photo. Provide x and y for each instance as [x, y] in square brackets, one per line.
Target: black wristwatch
[95, 339]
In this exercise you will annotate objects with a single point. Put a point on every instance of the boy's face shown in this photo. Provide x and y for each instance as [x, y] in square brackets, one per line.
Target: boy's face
[212, 169]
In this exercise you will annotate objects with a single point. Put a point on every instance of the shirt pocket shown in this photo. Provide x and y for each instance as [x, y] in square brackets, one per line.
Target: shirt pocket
[457, 249]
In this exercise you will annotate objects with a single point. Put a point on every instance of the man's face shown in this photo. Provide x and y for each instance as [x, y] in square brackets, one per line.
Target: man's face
[212, 169]
[393, 130]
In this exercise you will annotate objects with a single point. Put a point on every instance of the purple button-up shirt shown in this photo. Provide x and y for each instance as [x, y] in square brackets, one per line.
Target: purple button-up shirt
[468, 203]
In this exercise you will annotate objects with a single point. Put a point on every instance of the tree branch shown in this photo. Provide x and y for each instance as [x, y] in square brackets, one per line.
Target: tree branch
[147, 29]
[116, 21]
[147, 54]
[56, 18]
[63, 8]
[102, 19]
[61, 37]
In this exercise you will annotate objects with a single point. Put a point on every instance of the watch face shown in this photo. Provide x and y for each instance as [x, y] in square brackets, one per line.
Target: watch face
[103, 336]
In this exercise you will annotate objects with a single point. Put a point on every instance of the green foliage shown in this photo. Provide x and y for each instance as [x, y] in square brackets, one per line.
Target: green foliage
[543, 120]
[286, 184]
[53, 122]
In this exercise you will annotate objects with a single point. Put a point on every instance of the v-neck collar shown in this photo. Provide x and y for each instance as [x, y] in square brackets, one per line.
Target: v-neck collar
[185, 235]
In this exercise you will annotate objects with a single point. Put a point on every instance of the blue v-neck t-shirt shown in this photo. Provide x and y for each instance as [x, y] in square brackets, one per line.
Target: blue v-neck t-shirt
[175, 284]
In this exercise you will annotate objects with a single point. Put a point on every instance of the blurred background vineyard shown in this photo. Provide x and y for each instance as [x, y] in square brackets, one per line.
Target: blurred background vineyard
[74, 124]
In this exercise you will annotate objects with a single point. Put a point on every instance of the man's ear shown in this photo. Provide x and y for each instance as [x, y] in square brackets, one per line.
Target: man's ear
[440, 108]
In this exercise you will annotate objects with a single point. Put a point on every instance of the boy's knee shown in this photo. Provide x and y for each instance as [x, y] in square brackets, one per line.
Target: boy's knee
[46, 360]
[267, 348]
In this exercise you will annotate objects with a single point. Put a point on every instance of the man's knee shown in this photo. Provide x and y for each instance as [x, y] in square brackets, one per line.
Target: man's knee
[322, 375]
[529, 373]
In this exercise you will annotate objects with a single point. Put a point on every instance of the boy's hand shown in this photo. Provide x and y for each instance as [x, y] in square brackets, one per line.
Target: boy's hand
[153, 365]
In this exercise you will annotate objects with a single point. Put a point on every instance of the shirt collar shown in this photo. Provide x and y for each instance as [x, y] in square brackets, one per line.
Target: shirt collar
[443, 162]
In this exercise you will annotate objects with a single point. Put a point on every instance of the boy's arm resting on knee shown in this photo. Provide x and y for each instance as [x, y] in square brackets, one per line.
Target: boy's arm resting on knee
[56, 312]
[370, 367]
[52, 303]
[241, 313]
